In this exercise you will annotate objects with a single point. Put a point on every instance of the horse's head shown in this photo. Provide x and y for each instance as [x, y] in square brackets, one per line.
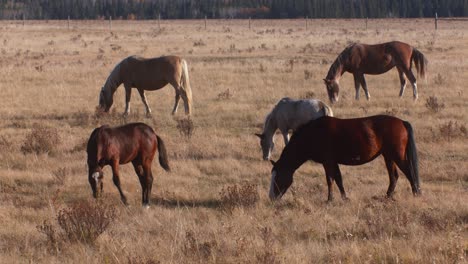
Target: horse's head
[333, 89]
[95, 180]
[105, 100]
[281, 179]
[267, 145]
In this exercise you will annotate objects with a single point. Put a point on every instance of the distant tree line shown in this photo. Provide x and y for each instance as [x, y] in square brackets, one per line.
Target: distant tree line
[180, 9]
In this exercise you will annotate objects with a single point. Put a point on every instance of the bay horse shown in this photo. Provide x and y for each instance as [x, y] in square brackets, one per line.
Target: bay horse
[148, 75]
[289, 114]
[332, 141]
[134, 142]
[360, 59]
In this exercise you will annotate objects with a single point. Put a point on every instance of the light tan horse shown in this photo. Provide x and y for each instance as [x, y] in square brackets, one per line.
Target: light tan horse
[148, 74]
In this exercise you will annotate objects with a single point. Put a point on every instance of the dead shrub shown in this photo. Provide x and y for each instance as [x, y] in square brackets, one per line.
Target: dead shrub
[5, 144]
[244, 195]
[308, 74]
[53, 237]
[308, 95]
[85, 221]
[432, 103]
[451, 129]
[439, 79]
[226, 95]
[268, 253]
[185, 127]
[194, 248]
[199, 43]
[60, 175]
[40, 140]
[262, 68]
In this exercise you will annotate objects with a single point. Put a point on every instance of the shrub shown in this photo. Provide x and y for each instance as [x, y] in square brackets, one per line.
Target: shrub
[308, 95]
[245, 195]
[225, 95]
[185, 127]
[268, 254]
[41, 140]
[432, 103]
[192, 247]
[439, 79]
[51, 233]
[451, 130]
[85, 221]
[308, 74]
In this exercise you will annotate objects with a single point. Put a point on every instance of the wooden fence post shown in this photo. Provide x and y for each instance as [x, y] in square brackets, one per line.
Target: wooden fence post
[307, 22]
[367, 20]
[435, 21]
[110, 23]
[249, 22]
[68, 23]
[23, 19]
[205, 22]
[159, 21]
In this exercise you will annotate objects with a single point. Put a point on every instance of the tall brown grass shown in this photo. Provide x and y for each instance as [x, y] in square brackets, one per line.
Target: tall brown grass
[213, 207]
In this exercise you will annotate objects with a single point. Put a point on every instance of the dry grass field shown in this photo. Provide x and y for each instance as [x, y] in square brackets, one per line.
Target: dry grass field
[213, 207]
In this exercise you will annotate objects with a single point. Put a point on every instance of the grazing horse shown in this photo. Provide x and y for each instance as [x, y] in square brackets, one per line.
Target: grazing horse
[289, 114]
[360, 59]
[136, 143]
[148, 74]
[332, 141]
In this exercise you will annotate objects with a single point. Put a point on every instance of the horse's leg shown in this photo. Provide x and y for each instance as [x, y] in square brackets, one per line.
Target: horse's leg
[402, 81]
[116, 180]
[128, 95]
[392, 174]
[339, 182]
[148, 179]
[357, 84]
[409, 74]
[364, 86]
[177, 96]
[145, 102]
[405, 168]
[331, 170]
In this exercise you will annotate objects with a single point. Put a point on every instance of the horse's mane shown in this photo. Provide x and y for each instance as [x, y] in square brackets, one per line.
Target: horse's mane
[339, 61]
[114, 79]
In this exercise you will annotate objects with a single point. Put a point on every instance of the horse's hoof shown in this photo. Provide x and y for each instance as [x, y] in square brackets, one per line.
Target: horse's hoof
[146, 206]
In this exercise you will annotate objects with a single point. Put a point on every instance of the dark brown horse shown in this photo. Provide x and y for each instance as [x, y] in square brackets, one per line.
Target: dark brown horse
[332, 141]
[136, 143]
[360, 59]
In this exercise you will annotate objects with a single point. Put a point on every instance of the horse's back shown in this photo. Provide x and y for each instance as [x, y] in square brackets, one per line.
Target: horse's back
[151, 73]
[354, 141]
[294, 113]
[125, 143]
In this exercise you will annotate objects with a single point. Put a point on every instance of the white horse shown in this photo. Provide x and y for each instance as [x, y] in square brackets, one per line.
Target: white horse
[289, 114]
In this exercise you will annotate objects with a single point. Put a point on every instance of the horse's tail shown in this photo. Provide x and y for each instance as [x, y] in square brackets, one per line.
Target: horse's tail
[163, 161]
[327, 111]
[412, 157]
[420, 62]
[187, 96]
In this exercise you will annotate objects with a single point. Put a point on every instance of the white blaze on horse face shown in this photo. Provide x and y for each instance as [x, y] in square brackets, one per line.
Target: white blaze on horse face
[272, 186]
[95, 176]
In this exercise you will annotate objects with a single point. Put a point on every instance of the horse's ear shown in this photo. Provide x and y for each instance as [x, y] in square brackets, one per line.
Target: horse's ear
[273, 163]
[259, 135]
